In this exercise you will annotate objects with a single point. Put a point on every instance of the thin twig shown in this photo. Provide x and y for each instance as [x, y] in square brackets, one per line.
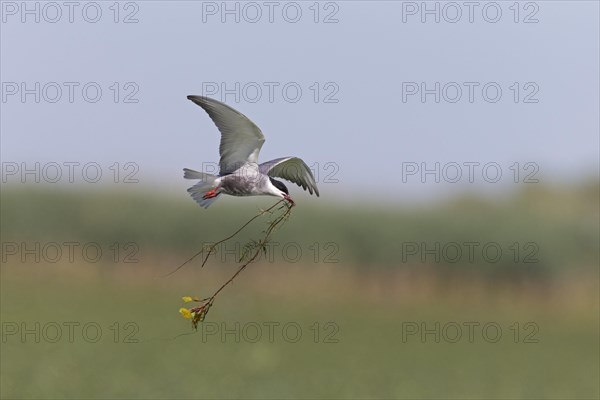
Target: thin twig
[200, 312]
[256, 253]
[214, 245]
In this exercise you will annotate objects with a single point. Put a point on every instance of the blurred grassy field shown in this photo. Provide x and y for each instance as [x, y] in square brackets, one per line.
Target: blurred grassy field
[353, 314]
[563, 223]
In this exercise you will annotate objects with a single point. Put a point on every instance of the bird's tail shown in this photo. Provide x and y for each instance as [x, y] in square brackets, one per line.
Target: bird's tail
[202, 188]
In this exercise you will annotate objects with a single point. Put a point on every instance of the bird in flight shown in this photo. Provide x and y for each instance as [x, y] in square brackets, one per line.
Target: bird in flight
[239, 171]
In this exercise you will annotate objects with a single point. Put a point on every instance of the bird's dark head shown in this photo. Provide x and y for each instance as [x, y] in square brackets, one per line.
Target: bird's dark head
[279, 185]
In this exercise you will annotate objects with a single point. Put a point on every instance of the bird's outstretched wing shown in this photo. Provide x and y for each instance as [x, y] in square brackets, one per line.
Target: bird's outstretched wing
[292, 169]
[241, 139]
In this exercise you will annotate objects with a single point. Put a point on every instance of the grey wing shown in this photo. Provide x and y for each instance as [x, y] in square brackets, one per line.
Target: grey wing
[292, 169]
[241, 139]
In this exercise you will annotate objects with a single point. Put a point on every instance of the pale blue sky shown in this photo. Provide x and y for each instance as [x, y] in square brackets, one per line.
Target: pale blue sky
[367, 55]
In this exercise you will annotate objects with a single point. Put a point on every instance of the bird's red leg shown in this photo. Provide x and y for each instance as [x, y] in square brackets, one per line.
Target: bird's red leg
[211, 193]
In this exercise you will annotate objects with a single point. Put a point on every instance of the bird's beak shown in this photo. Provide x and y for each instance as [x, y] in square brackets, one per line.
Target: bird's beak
[289, 199]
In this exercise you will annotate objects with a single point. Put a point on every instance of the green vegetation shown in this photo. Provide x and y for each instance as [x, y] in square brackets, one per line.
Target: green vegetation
[538, 231]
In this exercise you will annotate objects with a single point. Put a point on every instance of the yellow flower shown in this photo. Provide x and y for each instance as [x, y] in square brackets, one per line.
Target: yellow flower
[187, 299]
[185, 313]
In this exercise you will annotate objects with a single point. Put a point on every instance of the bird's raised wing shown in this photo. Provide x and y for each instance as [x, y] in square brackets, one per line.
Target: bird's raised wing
[241, 139]
[292, 169]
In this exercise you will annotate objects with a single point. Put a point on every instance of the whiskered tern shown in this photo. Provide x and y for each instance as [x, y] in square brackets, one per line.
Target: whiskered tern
[239, 171]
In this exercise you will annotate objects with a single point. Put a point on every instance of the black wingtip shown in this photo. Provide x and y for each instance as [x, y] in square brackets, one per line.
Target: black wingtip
[197, 99]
